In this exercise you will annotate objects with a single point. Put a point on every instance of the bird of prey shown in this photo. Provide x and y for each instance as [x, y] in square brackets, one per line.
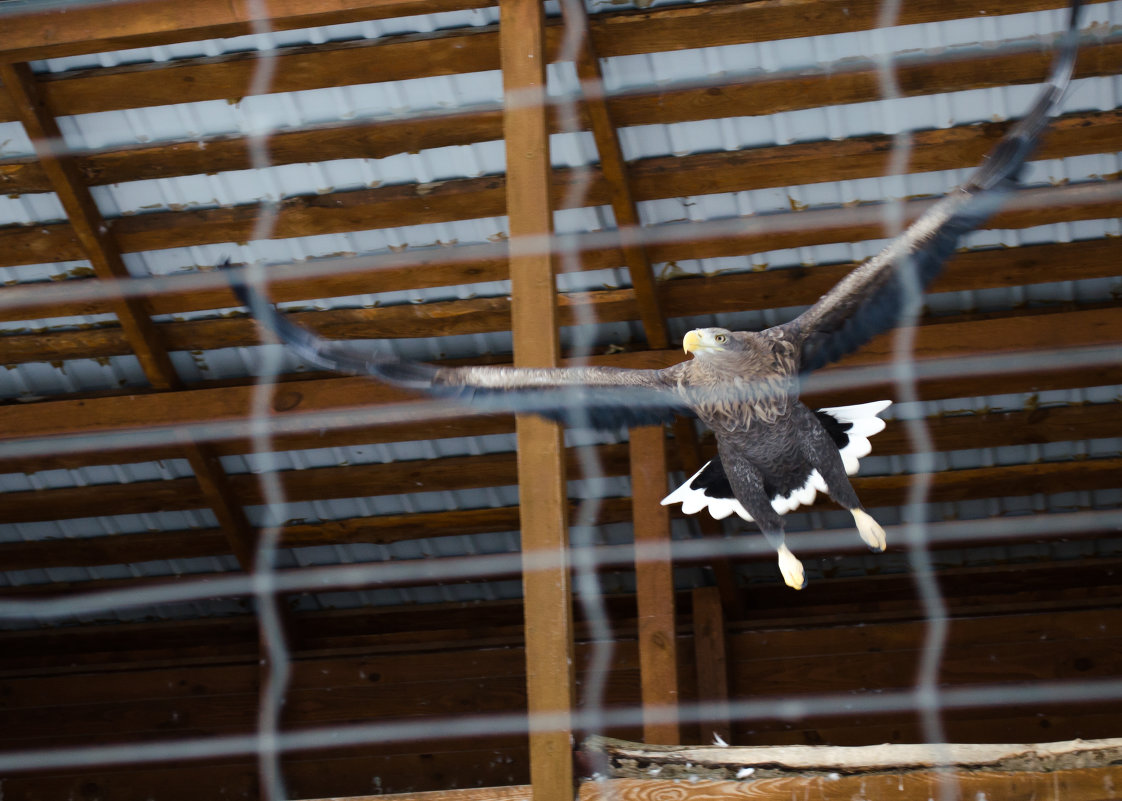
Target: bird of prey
[773, 453]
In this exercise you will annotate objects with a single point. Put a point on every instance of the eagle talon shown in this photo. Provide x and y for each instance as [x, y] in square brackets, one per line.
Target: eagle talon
[869, 529]
[791, 568]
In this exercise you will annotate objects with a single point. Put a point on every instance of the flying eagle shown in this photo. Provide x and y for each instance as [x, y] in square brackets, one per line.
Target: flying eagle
[773, 453]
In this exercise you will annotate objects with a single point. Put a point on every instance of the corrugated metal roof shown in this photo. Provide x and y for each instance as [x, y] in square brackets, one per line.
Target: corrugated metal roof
[278, 111]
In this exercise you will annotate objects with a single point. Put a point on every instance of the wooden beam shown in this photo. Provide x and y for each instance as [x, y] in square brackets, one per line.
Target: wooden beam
[683, 297]
[541, 464]
[1056, 591]
[496, 470]
[380, 138]
[1077, 784]
[656, 178]
[614, 171]
[711, 662]
[51, 32]
[1040, 425]
[349, 396]
[85, 220]
[132, 314]
[35, 36]
[654, 586]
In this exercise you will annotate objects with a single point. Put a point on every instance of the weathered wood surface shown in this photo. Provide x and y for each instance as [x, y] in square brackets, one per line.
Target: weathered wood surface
[519, 793]
[757, 96]
[1086, 784]
[634, 760]
[653, 179]
[41, 35]
[682, 297]
[654, 584]
[1020, 335]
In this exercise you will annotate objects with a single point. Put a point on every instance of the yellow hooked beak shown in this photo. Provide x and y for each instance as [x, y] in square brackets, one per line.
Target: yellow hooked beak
[691, 341]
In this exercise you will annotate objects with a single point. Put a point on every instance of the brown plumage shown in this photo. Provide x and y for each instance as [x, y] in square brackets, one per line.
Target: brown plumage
[773, 452]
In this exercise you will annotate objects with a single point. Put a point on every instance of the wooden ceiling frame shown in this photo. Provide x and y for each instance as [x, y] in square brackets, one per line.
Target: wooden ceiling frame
[132, 314]
[380, 138]
[543, 502]
[653, 179]
[534, 315]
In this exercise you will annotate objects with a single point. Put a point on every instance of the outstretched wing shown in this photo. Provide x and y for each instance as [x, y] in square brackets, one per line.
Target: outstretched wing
[875, 296]
[592, 397]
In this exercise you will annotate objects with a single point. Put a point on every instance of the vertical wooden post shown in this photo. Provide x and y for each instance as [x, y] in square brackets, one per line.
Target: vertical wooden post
[654, 586]
[712, 661]
[541, 463]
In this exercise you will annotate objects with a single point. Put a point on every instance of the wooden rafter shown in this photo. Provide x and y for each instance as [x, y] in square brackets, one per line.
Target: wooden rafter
[541, 462]
[1021, 335]
[32, 36]
[615, 173]
[140, 332]
[657, 178]
[637, 107]
[495, 470]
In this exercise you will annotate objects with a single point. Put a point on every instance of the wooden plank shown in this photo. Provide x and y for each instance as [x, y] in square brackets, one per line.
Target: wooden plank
[613, 34]
[541, 466]
[1085, 784]
[141, 334]
[518, 793]
[52, 32]
[711, 659]
[500, 470]
[992, 429]
[989, 590]
[376, 139]
[472, 198]
[683, 297]
[1016, 335]
[654, 586]
[614, 170]
[85, 220]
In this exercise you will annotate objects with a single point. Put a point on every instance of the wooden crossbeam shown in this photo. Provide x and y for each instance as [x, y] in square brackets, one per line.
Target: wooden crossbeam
[613, 34]
[69, 30]
[377, 139]
[656, 178]
[683, 297]
[541, 462]
[1037, 426]
[500, 470]
[732, 292]
[132, 314]
[1064, 600]
[1017, 335]
[85, 220]
[614, 170]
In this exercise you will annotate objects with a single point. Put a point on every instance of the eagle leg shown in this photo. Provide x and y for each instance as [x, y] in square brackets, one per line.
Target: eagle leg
[823, 453]
[869, 529]
[748, 488]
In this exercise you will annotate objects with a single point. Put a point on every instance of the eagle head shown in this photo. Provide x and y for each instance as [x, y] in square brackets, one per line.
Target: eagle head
[707, 340]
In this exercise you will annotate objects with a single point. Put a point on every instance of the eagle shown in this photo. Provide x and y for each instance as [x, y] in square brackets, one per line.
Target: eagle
[773, 453]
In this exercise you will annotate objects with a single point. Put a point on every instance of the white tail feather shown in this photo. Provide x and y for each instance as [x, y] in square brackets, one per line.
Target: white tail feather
[864, 423]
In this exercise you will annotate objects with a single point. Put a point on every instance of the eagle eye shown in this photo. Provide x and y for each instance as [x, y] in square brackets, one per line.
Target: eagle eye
[721, 339]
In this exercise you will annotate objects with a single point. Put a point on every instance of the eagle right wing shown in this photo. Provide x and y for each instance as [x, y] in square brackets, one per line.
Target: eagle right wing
[874, 297]
[589, 397]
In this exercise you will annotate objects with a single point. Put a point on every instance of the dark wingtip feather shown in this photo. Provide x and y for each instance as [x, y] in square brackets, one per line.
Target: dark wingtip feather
[841, 327]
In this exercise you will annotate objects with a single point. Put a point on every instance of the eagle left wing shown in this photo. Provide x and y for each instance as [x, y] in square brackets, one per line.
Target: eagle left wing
[590, 397]
[873, 297]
